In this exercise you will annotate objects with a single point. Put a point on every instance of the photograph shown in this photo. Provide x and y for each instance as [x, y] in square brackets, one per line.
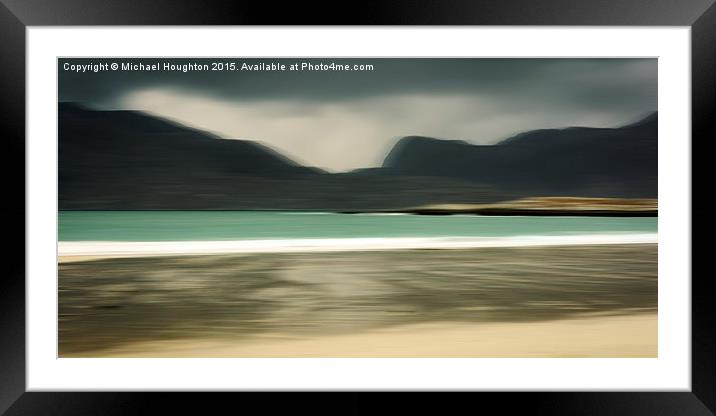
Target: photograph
[333, 207]
[491, 198]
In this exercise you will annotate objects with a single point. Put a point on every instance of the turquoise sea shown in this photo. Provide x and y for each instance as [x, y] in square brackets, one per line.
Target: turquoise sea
[255, 225]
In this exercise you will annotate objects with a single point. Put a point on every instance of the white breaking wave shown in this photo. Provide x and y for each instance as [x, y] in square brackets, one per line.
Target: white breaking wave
[133, 249]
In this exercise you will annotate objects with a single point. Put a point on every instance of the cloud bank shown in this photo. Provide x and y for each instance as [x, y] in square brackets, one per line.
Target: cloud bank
[346, 120]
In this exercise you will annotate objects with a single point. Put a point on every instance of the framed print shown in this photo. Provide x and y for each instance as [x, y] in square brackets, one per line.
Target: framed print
[462, 198]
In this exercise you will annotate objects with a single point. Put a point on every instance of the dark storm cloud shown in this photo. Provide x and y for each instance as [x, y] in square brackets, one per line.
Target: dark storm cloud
[618, 81]
[347, 120]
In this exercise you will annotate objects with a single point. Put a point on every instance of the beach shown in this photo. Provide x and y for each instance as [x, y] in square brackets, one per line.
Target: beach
[538, 300]
[70, 251]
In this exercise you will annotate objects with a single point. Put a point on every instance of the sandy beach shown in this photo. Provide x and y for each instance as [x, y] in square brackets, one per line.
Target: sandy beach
[535, 301]
[630, 336]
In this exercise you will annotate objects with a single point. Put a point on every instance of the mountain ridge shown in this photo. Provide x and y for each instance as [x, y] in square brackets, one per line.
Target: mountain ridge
[621, 161]
[133, 160]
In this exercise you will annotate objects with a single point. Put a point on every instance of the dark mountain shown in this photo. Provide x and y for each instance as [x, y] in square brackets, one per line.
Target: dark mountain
[156, 149]
[578, 161]
[132, 160]
[128, 158]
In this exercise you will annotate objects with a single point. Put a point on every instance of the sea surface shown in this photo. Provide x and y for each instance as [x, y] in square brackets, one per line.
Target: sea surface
[158, 226]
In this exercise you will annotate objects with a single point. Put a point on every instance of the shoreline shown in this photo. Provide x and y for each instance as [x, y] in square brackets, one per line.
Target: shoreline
[537, 206]
[70, 251]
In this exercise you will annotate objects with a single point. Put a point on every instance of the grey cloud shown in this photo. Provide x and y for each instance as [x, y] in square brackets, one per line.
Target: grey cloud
[347, 120]
[391, 76]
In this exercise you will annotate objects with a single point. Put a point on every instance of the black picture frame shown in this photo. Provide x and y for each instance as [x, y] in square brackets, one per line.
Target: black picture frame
[16, 15]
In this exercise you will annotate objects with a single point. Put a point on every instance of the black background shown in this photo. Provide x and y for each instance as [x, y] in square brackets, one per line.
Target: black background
[15, 15]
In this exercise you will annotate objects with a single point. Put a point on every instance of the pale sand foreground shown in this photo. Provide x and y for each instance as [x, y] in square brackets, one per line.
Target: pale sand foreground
[556, 301]
[612, 336]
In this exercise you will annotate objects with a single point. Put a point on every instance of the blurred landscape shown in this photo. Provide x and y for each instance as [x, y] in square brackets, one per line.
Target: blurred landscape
[424, 207]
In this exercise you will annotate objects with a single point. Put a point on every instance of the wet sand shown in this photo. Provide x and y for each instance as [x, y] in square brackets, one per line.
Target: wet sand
[560, 301]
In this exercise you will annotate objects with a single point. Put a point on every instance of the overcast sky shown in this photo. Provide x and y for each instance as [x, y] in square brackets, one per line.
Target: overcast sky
[343, 120]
